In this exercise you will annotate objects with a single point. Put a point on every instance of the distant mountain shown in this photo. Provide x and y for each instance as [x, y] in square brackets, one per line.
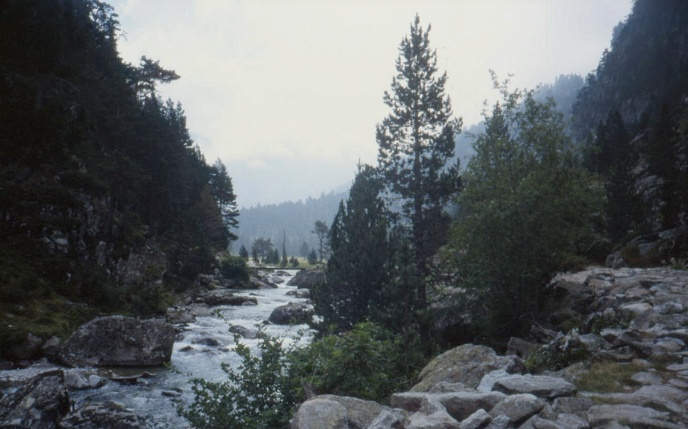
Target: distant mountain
[293, 218]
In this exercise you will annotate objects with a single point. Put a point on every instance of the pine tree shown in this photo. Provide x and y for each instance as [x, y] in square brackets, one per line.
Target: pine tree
[356, 269]
[416, 145]
[321, 230]
[243, 253]
[285, 260]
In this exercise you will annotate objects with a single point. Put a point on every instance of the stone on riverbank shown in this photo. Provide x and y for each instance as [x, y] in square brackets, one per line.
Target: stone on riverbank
[119, 341]
[291, 314]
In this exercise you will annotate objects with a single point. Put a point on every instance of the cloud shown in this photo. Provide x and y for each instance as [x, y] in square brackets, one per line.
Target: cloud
[302, 81]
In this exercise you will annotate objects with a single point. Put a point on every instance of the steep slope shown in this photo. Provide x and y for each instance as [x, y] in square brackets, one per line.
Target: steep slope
[106, 203]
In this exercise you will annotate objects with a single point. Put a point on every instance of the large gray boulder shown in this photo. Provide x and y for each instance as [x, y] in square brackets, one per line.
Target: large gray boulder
[336, 412]
[307, 279]
[465, 364]
[291, 314]
[38, 404]
[119, 341]
[225, 297]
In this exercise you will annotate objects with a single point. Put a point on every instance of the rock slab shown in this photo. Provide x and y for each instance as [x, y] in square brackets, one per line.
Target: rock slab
[119, 341]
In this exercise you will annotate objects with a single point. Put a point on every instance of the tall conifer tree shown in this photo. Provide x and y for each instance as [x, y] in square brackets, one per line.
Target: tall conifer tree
[416, 145]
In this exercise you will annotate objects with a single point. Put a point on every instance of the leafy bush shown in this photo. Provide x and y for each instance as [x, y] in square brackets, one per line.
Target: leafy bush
[367, 362]
[234, 267]
[258, 395]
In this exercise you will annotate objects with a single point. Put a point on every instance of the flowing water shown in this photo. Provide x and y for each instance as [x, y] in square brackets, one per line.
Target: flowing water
[158, 396]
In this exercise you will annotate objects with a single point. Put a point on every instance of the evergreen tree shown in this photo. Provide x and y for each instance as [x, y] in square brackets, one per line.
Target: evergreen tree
[313, 257]
[304, 250]
[243, 253]
[321, 230]
[416, 144]
[285, 260]
[356, 269]
[223, 191]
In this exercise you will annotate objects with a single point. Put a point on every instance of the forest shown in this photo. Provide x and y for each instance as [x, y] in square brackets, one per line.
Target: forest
[452, 238]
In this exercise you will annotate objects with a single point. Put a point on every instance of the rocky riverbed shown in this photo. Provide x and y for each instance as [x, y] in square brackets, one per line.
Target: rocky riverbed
[96, 394]
[611, 353]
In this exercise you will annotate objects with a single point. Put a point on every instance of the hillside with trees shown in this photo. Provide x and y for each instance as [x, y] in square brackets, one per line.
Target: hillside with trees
[542, 280]
[105, 198]
[295, 219]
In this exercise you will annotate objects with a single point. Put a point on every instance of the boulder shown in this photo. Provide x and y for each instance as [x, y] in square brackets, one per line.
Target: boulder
[632, 415]
[261, 283]
[388, 419]
[243, 331]
[40, 403]
[336, 412]
[476, 420]
[291, 314]
[539, 385]
[80, 379]
[300, 293]
[465, 364]
[101, 415]
[518, 408]
[225, 297]
[119, 341]
[51, 347]
[307, 279]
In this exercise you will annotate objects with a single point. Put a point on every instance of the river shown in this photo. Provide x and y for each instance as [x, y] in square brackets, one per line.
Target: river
[200, 349]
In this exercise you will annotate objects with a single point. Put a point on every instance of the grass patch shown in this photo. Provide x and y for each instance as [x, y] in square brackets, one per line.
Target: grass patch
[44, 317]
[608, 377]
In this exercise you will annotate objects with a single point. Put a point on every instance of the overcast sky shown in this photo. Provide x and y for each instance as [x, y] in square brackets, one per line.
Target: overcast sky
[288, 93]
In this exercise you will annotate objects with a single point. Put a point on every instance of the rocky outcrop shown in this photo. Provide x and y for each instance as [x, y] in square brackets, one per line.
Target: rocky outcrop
[631, 323]
[101, 415]
[291, 314]
[39, 403]
[307, 279]
[119, 341]
[466, 364]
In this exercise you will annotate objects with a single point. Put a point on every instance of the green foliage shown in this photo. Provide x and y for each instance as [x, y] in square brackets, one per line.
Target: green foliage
[357, 268]
[525, 209]
[262, 250]
[367, 362]
[234, 267]
[259, 395]
[554, 357]
[92, 155]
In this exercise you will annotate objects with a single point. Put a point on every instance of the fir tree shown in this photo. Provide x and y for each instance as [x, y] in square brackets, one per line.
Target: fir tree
[356, 269]
[416, 145]
[243, 253]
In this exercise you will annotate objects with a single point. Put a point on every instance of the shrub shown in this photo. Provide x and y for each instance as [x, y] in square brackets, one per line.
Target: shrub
[367, 362]
[258, 395]
[234, 267]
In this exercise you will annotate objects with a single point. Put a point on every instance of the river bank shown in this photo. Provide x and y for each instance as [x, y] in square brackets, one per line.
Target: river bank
[206, 326]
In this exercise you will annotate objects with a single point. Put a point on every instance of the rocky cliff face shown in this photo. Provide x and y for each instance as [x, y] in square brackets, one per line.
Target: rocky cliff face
[614, 354]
